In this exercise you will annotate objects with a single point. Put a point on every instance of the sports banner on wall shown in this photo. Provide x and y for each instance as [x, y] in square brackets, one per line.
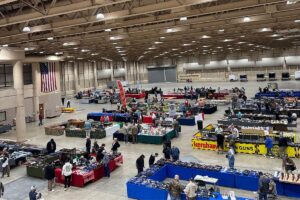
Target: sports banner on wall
[122, 93]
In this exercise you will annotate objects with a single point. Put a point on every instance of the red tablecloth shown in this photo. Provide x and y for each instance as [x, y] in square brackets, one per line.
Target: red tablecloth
[173, 95]
[147, 120]
[136, 96]
[79, 180]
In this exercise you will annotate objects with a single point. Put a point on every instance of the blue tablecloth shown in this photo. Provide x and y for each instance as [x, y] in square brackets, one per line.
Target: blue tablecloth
[183, 172]
[246, 182]
[280, 94]
[118, 117]
[187, 121]
[135, 191]
[161, 174]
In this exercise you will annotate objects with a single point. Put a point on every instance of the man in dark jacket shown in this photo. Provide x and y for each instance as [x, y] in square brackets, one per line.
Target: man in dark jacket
[140, 164]
[282, 143]
[115, 146]
[51, 146]
[50, 175]
[152, 159]
[88, 145]
[167, 152]
[263, 186]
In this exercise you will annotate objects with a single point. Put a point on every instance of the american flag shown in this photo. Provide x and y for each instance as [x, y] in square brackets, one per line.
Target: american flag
[48, 78]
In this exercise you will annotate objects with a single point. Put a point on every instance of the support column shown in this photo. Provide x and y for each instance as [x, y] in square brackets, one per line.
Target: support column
[76, 77]
[126, 73]
[137, 71]
[95, 74]
[112, 71]
[36, 86]
[284, 64]
[20, 110]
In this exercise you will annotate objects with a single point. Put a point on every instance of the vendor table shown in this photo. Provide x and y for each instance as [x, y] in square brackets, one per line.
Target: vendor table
[281, 94]
[95, 133]
[187, 121]
[112, 129]
[86, 100]
[147, 120]
[117, 117]
[5, 128]
[120, 136]
[173, 95]
[155, 139]
[79, 180]
[136, 96]
[243, 147]
[210, 109]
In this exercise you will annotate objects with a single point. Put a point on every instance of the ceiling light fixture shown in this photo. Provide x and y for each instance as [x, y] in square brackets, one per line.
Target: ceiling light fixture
[297, 21]
[162, 37]
[84, 50]
[157, 42]
[247, 19]
[170, 30]
[5, 45]
[107, 30]
[50, 38]
[205, 36]
[41, 52]
[99, 16]
[26, 49]
[183, 18]
[26, 29]
[221, 30]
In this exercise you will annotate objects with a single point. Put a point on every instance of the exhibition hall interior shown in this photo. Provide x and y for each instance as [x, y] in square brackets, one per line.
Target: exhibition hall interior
[149, 99]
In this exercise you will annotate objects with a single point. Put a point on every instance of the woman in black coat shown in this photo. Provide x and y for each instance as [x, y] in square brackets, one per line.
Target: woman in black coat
[140, 164]
[51, 146]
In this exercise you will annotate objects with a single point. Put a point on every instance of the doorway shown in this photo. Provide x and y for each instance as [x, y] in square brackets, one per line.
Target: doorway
[41, 110]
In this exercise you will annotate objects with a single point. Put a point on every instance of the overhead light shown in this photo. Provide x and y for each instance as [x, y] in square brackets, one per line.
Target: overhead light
[151, 48]
[107, 30]
[41, 52]
[193, 41]
[183, 18]
[118, 47]
[186, 44]
[275, 35]
[99, 16]
[247, 19]
[170, 30]
[75, 48]
[50, 38]
[5, 45]
[227, 40]
[205, 36]
[297, 21]
[281, 39]
[219, 47]
[221, 30]
[157, 42]
[94, 54]
[242, 36]
[84, 50]
[162, 37]
[59, 53]
[71, 61]
[79, 58]
[121, 51]
[174, 49]
[289, 2]
[70, 56]
[65, 44]
[114, 43]
[26, 29]
[205, 46]
[265, 29]
[123, 54]
[26, 49]
[250, 44]
[241, 42]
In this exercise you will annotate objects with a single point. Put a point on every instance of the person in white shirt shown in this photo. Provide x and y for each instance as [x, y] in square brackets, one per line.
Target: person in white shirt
[218, 130]
[191, 190]
[5, 166]
[67, 173]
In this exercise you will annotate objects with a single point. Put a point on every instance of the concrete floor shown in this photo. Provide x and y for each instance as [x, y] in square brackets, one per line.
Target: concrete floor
[115, 187]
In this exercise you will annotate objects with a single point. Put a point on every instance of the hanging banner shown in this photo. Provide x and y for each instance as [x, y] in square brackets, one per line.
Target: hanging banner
[122, 93]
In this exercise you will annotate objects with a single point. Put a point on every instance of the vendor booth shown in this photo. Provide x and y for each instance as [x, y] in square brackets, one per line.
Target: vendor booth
[260, 77]
[285, 76]
[272, 76]
[117, 117]
[243, 78]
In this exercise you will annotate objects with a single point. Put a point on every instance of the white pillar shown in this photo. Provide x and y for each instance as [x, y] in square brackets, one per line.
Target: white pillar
[36, 87]
[126, 73]
[138, 71]
[76, 77]
[20, 110]
[112, 71]
[95, 74]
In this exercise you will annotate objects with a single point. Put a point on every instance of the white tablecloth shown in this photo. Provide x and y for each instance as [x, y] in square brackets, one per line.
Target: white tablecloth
[112, 129]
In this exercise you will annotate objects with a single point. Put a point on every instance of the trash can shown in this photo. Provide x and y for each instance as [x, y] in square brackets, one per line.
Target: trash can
[200, 124]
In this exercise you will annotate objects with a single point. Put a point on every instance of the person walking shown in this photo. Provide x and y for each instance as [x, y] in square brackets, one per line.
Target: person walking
[1, 190]
[175, 153]
[51, 146]
[68, 103]
[288, 165]
[152, 159]
[176, 127]
[87, 128]
[67, 173]
[263, 186]
[283, 144]
[115, 146]
[88, 145]
[230, 157]
[191, 190]
[134, 133]
[5, 166]
[175, 188]
[269, 146]
[167, 152]
[272, 194]
[40, 119]
[50, 175]
[140, 163]
[220, 142]
[105, 161]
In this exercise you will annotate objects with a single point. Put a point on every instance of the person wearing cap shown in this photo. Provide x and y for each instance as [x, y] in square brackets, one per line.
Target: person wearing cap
[191, 190]
[175, 188]
[140, 163]
[33, 195]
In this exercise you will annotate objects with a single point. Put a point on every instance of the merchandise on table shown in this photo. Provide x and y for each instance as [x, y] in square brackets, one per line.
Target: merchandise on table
[56, 129]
